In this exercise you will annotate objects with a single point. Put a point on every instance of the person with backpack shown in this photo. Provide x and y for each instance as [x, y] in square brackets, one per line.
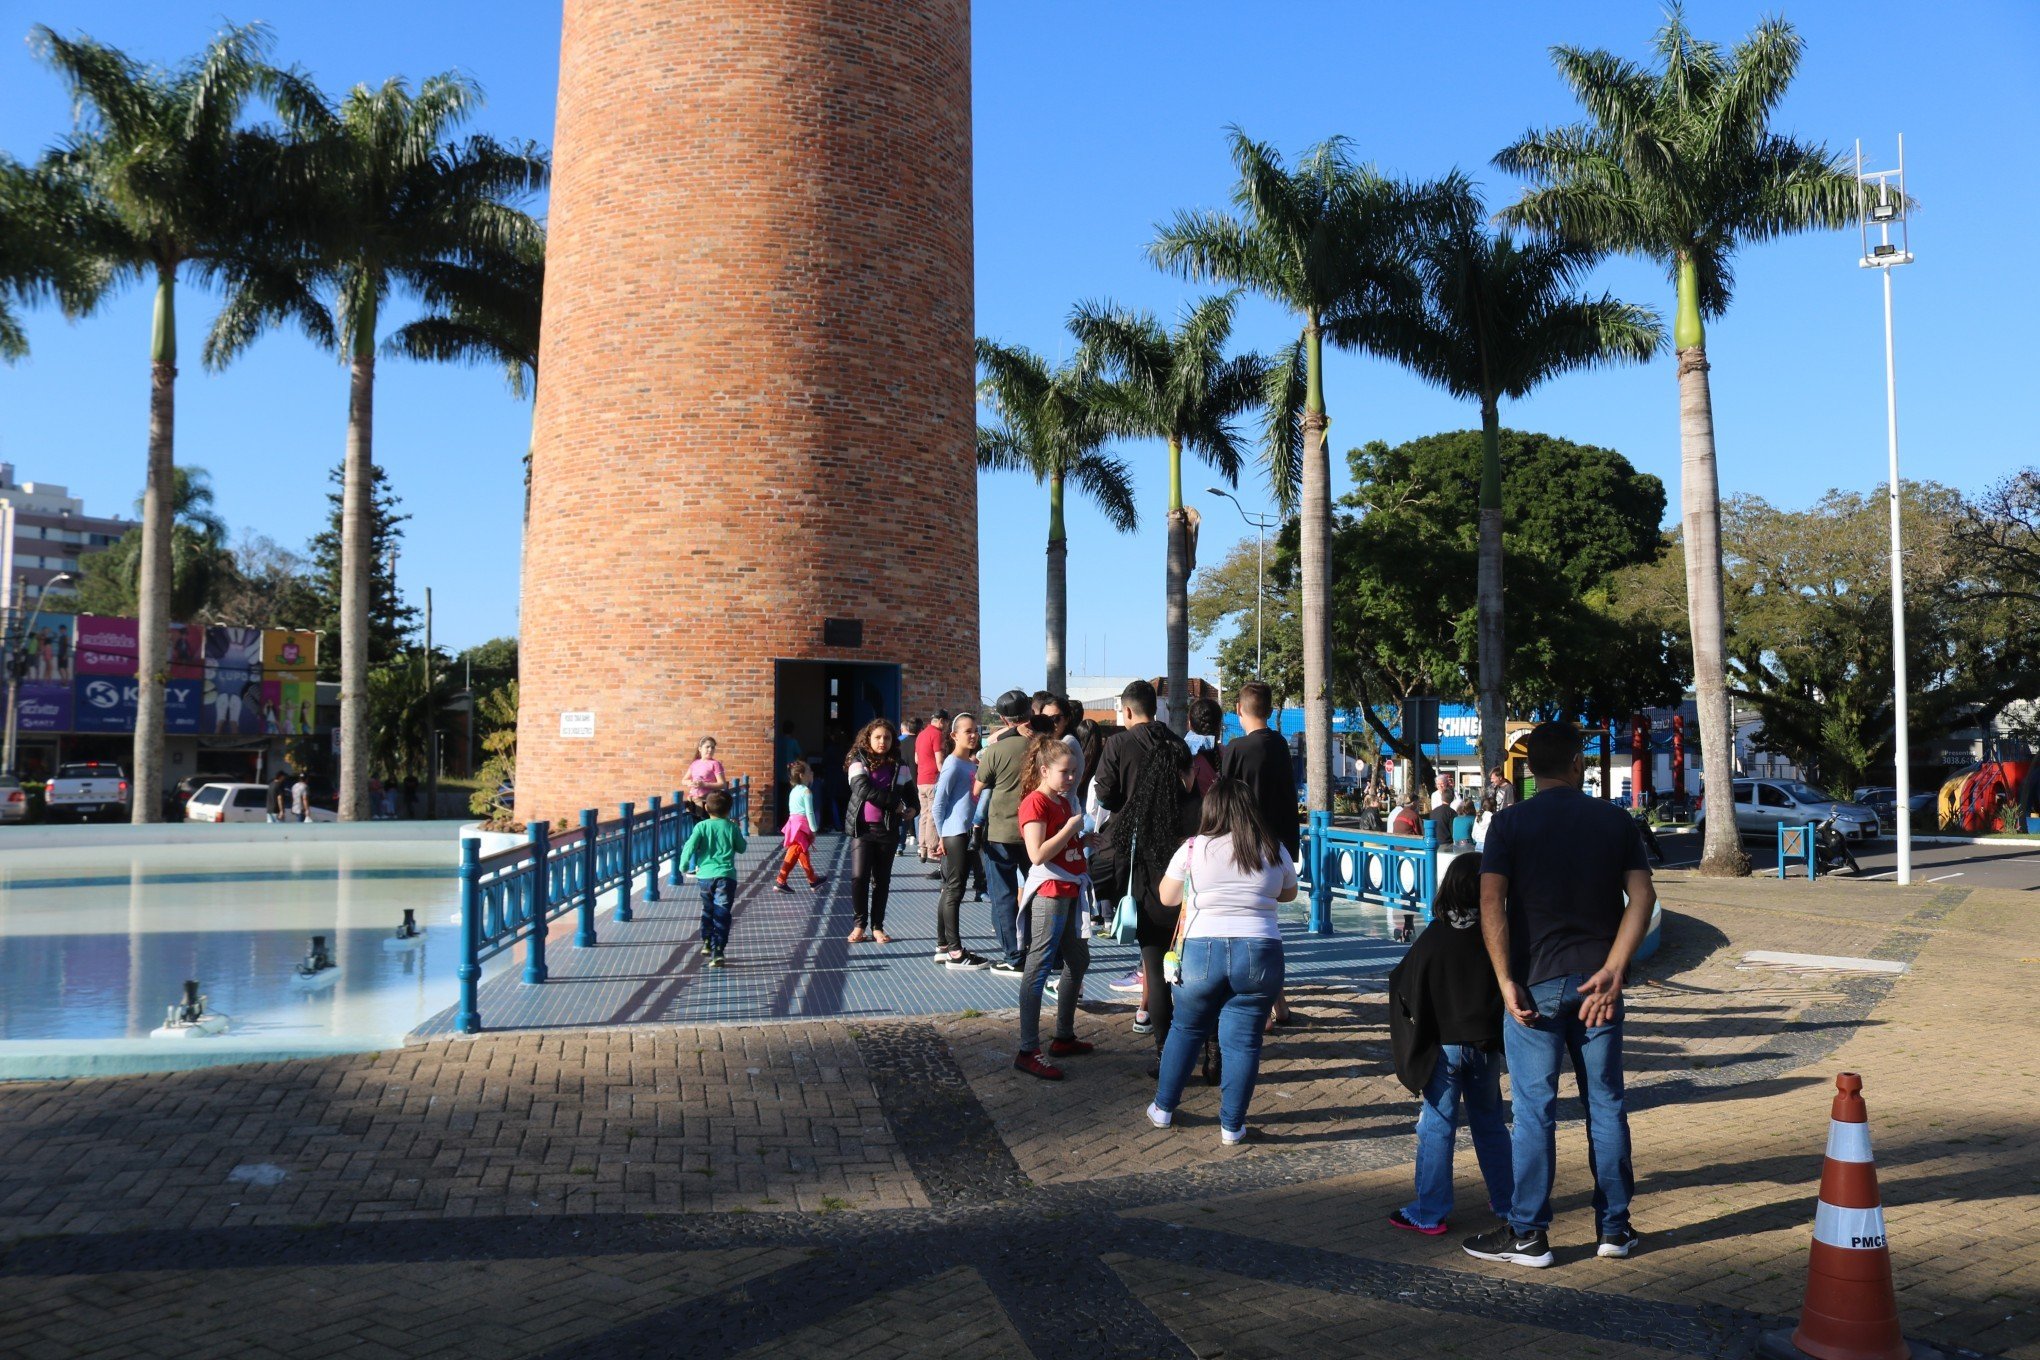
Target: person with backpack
[1145, 782]
[1445, 1030]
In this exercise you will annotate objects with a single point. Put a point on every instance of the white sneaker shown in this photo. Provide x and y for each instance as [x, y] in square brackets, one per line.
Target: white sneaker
[1230, 1138]
[1158, 1116]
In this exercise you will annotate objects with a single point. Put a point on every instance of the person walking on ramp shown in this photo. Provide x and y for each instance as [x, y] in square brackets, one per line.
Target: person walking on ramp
[1565, 898]
[711, 851]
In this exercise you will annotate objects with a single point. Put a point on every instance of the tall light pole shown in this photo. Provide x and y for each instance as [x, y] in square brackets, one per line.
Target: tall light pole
[1262, 523]
[1881, 203]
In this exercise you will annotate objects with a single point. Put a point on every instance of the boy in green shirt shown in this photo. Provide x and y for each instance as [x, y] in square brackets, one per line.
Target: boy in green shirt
[711, 853]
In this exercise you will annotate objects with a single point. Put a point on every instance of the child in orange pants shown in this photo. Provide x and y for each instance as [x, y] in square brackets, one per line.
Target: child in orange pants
[799, 831]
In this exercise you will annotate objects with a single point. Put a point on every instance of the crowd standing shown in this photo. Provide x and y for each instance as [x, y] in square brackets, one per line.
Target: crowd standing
[1190, 846]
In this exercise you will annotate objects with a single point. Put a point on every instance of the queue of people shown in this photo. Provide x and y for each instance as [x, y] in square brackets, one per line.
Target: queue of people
[1194, 844]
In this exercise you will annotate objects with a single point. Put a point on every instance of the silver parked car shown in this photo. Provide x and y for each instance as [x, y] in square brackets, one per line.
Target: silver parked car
[1763, 805]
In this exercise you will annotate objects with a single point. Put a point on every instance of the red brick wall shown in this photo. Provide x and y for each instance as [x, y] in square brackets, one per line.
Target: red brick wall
[755, 408]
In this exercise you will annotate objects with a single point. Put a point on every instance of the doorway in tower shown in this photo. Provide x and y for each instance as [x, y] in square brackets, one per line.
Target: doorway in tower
[818, 707]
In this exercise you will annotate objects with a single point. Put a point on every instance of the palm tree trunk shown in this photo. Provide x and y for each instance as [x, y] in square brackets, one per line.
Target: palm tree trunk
[1316, 527]
[1176, 595]
[1058, 620]
[357, 486]
[1700, 494]
[159, 492]
[1489, 612]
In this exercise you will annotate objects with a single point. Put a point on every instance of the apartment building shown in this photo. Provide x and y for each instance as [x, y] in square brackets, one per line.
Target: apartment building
[51, 533]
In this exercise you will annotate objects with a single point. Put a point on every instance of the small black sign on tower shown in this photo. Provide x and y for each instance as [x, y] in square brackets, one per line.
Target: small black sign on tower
[842, 632]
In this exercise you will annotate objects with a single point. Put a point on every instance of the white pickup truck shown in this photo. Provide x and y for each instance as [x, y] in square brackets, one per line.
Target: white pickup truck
[87, 788]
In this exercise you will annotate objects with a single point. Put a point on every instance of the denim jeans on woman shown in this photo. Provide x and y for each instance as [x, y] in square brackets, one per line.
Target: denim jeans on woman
[1229, 985]
[1050, 940]
[1537, 1054]
[1463, 1072]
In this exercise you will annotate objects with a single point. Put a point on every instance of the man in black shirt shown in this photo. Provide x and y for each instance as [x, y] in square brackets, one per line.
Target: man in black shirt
[1565, 900]
[1259, 758]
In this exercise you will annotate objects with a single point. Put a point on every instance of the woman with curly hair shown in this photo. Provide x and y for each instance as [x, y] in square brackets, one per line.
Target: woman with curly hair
[881, 792]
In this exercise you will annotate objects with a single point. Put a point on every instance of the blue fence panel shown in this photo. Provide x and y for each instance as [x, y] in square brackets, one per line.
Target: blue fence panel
[513, 896]
[1399, 873]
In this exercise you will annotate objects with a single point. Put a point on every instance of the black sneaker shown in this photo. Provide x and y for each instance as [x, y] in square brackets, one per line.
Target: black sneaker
[1618, 1245]
[1504, 1243]
[1009, 969]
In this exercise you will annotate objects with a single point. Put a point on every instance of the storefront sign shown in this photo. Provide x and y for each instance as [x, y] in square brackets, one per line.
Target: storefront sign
[106, 646]
[44, 706]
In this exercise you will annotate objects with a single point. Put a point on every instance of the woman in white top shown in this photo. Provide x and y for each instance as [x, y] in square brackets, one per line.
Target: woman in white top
[1229, 879]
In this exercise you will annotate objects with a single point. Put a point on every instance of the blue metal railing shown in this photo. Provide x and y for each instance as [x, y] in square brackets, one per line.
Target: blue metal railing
[513, 896]
[1397, 872]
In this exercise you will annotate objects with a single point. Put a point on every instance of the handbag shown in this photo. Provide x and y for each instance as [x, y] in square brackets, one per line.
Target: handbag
[1172, 962]
[1126, 918]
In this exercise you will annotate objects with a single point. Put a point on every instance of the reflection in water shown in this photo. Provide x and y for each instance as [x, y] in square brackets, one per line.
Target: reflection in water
[95, 943]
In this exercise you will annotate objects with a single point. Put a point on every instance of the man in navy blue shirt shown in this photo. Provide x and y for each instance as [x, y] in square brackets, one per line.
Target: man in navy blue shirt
[1565, 899]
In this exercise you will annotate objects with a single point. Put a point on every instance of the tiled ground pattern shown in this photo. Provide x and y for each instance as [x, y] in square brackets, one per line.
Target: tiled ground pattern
[893, 1189]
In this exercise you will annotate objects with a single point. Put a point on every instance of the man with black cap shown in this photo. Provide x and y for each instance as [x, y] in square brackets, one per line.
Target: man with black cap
[1002, 776]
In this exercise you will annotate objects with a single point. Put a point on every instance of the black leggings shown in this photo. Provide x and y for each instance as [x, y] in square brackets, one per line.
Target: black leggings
[1159, 996]
[958, 859]
[871, 860]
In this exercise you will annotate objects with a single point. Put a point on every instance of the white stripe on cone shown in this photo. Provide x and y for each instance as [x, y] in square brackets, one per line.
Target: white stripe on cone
[1848, 1142]
[1850, 1229]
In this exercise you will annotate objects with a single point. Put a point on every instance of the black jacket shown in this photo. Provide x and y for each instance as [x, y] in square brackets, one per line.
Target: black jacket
[901, 797]
[1140, 782]
[1443, 992]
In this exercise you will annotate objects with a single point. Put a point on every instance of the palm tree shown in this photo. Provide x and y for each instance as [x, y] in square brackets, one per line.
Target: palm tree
[1680, 165]
[484, 310]
[1177, 386]
[166, 183]
[1330, 241]
[1051, 423]
[1501, 316]
[390, 203]
[38, 257]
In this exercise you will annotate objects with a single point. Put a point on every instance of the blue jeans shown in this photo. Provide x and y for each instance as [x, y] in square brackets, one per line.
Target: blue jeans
[1004, 866]
[1462, 1071]
[1053, 947]
[1537, 1054]
[1229, 985]
[716, 896]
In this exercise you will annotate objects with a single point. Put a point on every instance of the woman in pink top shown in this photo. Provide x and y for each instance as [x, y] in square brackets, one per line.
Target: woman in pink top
[704, 776]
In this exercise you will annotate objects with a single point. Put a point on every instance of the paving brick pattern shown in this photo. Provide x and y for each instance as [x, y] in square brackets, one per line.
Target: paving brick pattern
[892, 1188]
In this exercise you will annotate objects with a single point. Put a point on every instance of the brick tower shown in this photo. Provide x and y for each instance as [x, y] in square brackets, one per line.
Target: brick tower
[753, 485]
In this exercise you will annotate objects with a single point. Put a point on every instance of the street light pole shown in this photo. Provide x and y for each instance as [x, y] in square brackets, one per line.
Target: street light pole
[1882, 204]
[1261, 523]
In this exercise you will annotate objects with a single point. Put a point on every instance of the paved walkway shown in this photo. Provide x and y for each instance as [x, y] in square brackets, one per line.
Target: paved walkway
[866, 1188]
[788, 959]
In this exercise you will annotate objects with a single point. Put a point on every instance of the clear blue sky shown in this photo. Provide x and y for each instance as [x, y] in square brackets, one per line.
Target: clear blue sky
[1094, 121]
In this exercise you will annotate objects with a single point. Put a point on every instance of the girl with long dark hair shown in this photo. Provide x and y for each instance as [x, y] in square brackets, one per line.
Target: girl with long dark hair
[880, 792]
[1225, 963]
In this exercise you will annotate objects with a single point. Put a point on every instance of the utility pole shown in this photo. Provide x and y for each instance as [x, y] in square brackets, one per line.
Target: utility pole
[431, 720]
[1262, 523]
[1881, 199]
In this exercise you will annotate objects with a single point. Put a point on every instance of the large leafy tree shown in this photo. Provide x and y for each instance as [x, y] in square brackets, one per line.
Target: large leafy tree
[1500, 316]
[40, 259]
[1177, 385]
[1051, 424]
[1330, 241]
[1679, 164]
[391, 201]
[167, 184]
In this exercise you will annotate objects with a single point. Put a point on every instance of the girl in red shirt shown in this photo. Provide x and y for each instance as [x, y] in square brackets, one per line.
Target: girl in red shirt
[1051, 903]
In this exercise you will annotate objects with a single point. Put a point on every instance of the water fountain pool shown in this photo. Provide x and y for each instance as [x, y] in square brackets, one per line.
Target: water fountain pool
[97, 939]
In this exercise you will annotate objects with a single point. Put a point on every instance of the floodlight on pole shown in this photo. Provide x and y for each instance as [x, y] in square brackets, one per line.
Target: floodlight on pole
[1882, 204]
[1262, 523]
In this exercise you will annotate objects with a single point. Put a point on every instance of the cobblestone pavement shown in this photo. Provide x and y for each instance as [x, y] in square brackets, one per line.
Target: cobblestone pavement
[893, 1188]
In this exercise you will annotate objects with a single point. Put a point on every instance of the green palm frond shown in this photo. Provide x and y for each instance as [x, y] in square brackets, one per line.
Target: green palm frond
[1282, 398]
[1051, 423]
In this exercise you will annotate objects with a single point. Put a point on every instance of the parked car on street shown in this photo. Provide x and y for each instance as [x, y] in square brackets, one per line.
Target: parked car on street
[180, 797]
[1882, 799]
[1764, 805]
[239, 803]
[13, 802]
[85, 789]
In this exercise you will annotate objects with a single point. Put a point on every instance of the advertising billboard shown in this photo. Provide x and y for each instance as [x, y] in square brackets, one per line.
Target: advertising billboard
[43, 706]
[290, 654]
[105, 646]
[103, 703]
